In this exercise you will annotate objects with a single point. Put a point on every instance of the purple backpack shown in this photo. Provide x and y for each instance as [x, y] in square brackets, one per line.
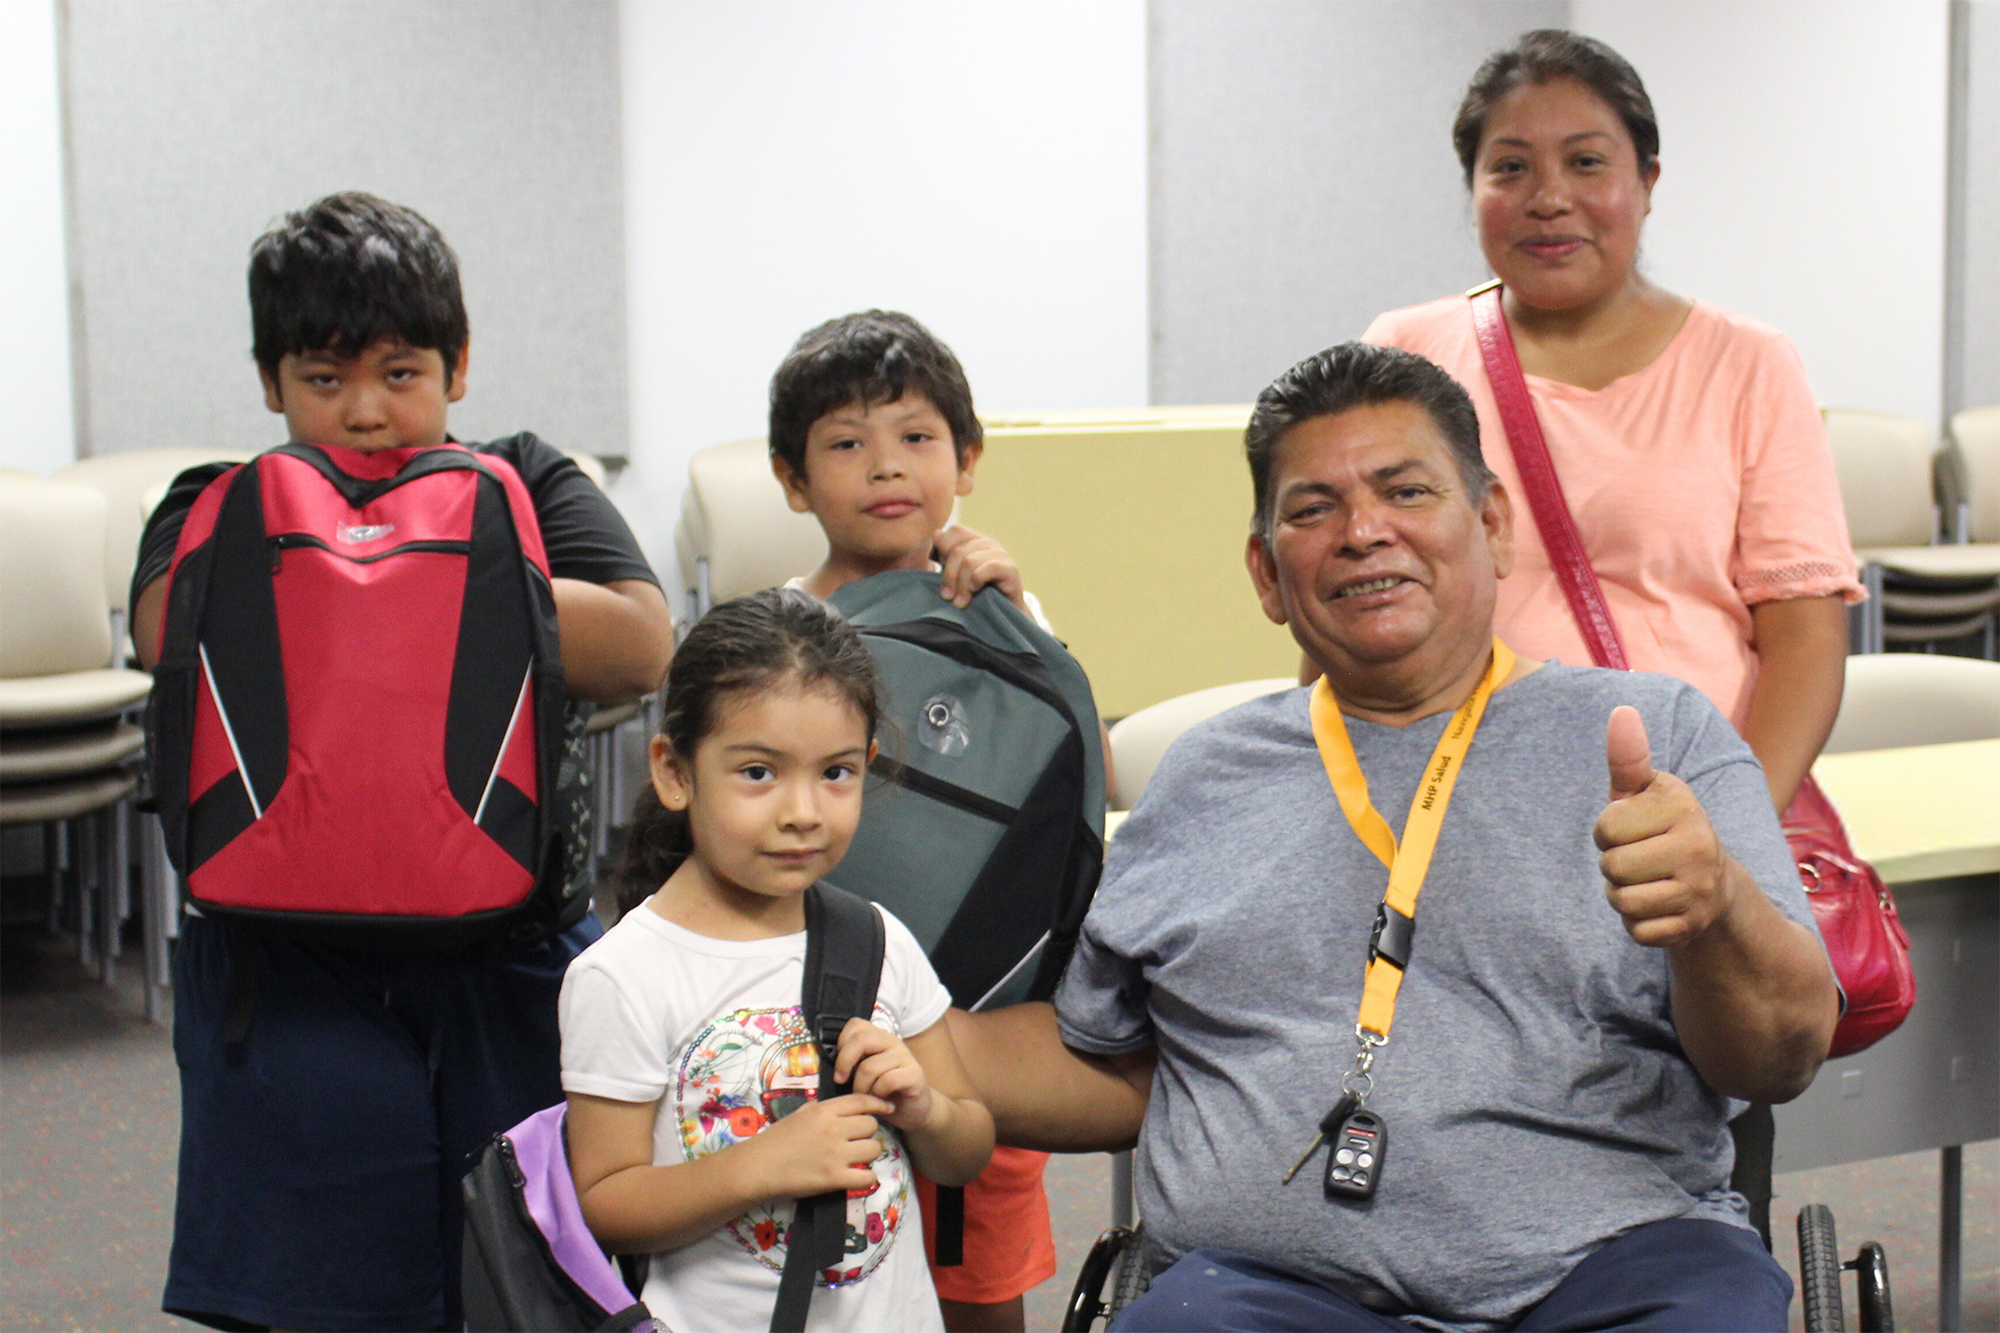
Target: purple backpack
[530, 1262]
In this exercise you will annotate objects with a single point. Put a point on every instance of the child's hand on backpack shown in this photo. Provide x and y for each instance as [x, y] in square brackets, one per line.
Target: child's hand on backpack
[971, 561]
[822, 1146]
[882, 1066]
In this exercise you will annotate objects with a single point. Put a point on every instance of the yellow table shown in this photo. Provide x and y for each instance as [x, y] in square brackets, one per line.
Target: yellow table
[1928, 817]
[1923, 812]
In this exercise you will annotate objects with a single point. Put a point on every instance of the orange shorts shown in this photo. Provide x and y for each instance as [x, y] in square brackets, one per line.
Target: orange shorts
[1009, 1244]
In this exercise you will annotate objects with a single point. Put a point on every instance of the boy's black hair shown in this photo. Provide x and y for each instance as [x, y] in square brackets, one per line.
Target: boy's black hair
[349, 269]
[774, 639]
[872, 357]
[1354, 375]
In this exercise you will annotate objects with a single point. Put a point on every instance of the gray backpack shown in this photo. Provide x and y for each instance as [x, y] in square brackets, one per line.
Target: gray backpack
[987, 836]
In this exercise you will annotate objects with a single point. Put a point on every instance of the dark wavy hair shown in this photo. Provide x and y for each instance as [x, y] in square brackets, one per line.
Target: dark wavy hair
[348, 270]
[872, 357]
[776, 638]
[1544, 56]
[1355, 375]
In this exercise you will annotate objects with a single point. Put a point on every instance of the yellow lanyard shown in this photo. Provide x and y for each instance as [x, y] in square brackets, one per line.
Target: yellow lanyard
[1409, 863]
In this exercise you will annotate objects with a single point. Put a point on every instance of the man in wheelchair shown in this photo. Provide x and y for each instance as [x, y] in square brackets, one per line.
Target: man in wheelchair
[1495, 1094]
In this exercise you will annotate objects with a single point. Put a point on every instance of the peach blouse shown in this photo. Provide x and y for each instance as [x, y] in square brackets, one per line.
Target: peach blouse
[1702, 485]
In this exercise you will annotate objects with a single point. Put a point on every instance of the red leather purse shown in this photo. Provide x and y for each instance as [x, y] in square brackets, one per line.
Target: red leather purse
[1854, 909]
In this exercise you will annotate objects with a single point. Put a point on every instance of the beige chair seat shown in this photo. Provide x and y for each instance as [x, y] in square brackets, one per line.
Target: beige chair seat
[125, 480]
[1933, 631]
[40, 802]
[1897, 699]
[1139, 741]
[73, 696]
[38, 756]
[1977, 560]
[1973, 601]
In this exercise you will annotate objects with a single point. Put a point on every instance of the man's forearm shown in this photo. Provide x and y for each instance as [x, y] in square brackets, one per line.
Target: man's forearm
[1043, 1094]
[1753, 999]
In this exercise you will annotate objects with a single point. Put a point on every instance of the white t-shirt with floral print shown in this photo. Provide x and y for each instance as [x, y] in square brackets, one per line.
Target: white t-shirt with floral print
[710, 1029]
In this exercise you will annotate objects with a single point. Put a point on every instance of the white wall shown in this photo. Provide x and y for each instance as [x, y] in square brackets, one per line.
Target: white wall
[1303, 176]
[39, 434]
[1803, 150]
[1978, 338]
[196, 124]
[982, 167]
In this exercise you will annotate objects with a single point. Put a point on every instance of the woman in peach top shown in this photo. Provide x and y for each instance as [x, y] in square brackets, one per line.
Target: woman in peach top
[1686, 438]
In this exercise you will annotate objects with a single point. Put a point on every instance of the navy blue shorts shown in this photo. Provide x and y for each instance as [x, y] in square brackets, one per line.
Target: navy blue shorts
[320, 1160]
[1685, 1274]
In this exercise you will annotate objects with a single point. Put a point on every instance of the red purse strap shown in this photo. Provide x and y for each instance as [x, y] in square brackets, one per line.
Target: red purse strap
[1538, 478]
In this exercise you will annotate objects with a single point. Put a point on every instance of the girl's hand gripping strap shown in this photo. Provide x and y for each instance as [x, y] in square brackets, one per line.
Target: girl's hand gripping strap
[1538, 479]
[843, 970]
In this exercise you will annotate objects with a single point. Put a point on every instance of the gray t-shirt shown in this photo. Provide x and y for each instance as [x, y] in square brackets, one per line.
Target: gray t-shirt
[1536, 1098]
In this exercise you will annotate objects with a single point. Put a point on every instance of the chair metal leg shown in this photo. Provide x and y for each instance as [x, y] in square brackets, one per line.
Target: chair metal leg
[1951, 1228]
[83, 859]
[156, 907]
[52, 859]
[122, 816]
[110, 867]
[1864, 624]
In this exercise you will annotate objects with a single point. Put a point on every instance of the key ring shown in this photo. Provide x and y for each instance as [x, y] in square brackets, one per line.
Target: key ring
[1359, 1081]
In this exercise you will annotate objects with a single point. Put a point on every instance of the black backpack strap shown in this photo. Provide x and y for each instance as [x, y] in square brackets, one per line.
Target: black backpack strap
[246, 975]
[949, 1249]
[844, 940]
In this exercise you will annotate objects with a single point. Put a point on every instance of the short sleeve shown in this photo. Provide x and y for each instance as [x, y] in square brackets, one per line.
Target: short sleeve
[1101, 1003]
[609, 1049]
[1791, 535]
[585, 535]
[163, 527]
[910, 988]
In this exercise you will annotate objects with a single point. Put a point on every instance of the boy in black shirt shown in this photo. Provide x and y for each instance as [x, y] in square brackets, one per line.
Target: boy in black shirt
[320, 1158]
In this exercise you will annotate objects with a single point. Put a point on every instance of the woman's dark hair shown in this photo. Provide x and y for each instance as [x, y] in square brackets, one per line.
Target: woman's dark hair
[1543, 56]
[1356, 375]
[778, 637]
[872, 357]
[350, 269]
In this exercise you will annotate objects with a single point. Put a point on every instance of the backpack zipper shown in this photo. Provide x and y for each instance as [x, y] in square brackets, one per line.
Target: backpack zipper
[283, 540]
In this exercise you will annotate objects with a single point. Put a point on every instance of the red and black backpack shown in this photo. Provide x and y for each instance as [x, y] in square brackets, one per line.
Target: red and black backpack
[357, 718]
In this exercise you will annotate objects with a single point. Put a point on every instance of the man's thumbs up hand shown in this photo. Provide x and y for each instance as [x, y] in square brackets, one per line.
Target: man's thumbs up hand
[1627, 751]
[1663, 866]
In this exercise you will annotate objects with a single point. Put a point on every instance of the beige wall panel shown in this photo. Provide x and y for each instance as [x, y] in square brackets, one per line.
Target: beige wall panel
[1132, 536]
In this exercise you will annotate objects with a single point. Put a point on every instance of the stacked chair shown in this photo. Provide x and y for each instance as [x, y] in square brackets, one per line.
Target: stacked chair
[736, 534]
[1922, 592]
[1969, 475]
[69, 744]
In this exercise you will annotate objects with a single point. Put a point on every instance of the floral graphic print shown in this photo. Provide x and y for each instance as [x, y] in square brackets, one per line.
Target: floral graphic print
[747, 1069]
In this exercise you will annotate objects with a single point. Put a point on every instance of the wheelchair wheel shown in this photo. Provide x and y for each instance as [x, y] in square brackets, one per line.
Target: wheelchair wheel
[1819, 1270]
[1116, 1249]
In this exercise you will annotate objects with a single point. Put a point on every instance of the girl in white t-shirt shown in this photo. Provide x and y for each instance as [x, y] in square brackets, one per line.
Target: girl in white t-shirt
[693, 1115]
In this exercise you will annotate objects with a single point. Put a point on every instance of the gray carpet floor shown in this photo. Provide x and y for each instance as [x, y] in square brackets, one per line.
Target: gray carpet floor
[89, 1114]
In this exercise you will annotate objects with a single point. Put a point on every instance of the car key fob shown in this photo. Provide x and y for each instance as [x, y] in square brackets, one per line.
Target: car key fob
[1354, 1164]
